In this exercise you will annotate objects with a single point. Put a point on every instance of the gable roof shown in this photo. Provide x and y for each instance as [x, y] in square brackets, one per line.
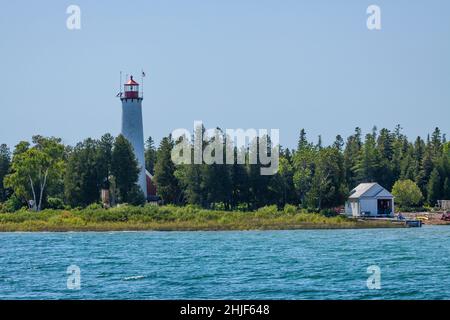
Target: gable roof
[371, 190]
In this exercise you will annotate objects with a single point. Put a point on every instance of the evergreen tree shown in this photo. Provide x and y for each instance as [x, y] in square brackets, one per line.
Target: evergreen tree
[351, 154]
[302, 141]
[125, 168]
[104, 158]
[327, 182]
[239, 183]
[436, 143]
[434, 188]
[5, 163]
[166, 181]
[339, 143]
[446, 189]
[367, 165]
[82, 182]
[282, 184]
[150, 155]
[303, 167]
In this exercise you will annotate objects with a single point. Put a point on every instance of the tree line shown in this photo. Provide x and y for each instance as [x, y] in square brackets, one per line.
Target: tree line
[47, 174]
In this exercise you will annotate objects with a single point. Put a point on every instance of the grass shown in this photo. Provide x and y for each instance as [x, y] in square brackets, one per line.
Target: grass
[171, 218]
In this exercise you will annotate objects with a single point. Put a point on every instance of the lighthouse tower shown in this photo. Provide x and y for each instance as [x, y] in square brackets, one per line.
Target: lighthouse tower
[132, 126]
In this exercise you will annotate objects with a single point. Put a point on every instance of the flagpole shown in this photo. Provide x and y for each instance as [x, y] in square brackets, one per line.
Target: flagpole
[142, 81]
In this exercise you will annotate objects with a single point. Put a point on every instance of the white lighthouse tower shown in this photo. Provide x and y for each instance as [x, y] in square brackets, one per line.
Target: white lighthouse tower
[132, 126]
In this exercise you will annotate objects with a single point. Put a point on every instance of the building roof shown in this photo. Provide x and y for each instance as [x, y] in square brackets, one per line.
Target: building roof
[131, 82]
[370, 190]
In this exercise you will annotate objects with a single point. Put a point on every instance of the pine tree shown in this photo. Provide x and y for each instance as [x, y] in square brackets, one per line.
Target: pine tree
[436, 143]
[339, 143]
[5, 163]
[434, 188]
[446, 189]
[166, 182]
[82, 182]
[302, 141]
[351, 154]
[303, 166]
[150, 155]
[367, 165]
[125, 168]
[104, 157]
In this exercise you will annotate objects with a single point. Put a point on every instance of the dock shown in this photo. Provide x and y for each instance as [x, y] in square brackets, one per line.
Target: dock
[413, 223]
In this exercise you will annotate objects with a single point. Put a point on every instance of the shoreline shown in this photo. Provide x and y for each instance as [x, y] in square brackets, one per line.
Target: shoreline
[187, 218]
[188, 227]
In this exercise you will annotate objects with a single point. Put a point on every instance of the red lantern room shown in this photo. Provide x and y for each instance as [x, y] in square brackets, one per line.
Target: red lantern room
[131, 89]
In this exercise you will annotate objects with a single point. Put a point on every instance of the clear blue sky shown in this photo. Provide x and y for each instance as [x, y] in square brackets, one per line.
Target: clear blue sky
[232, 63]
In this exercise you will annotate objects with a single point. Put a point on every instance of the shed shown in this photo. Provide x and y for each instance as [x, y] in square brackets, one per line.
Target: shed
[370, 200]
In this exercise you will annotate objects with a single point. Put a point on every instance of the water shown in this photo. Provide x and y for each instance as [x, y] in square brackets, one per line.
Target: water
[302, 264]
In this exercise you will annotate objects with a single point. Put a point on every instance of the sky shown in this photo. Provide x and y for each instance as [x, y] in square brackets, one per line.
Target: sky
[273, 64]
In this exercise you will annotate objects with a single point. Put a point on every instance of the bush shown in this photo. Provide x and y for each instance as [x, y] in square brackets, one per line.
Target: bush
[94, 206]
[136, 197]
[242, 207]
[267, 211]
[11, 205]
[328, 212]
[55, 203]
[407, 193]
[290, 209]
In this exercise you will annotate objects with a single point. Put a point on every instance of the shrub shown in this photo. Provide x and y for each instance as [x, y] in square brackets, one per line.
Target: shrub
[406, 193]
[55, 203]
[11, 205]
[94, 206]
[290, 209]
[267, 211]
[328, 212]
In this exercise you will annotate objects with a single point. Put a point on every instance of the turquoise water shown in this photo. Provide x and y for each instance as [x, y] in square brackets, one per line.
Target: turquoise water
[320, 264]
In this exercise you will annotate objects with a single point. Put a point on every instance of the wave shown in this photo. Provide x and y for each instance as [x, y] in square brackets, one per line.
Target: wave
[134, 278]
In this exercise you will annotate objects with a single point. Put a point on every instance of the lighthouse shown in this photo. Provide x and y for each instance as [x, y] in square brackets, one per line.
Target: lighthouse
[132, 126]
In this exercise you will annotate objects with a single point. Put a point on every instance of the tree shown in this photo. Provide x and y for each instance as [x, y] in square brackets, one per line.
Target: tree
[351, 154]
[5, 163]
[166, 183]
[125, 168]
[368, 162]
[302, 165]
[104, 158]
[434, 187]
[84, 174]
[446, 189]
[407, 193]
[34, 169]
[282, 183]
[150, 155]
[339, 143]
[216, 182]
[302, 141]
[239, 183]
[327, 181]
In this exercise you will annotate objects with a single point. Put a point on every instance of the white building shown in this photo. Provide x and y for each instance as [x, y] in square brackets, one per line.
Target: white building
[370, 200]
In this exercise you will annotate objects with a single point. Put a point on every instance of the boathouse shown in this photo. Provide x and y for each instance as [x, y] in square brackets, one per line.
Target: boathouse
[370, 200]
